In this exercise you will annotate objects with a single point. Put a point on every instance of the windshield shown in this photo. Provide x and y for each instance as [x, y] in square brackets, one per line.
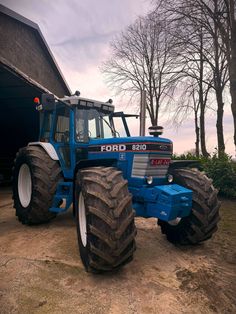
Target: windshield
[92, 124]
[119, 126]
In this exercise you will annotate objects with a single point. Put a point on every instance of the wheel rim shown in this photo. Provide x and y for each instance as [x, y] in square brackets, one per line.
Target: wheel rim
[24, 185]
[175, 221]
[82, 220]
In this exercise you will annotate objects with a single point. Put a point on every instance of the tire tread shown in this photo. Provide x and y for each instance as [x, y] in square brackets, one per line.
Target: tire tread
[201, 224]
[110, 230]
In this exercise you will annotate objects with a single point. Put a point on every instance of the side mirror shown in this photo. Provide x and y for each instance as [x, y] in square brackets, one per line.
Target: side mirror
[48, 101]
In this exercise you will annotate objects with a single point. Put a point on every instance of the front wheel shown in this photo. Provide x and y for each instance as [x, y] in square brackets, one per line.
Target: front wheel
[105, 219]
[202, 221]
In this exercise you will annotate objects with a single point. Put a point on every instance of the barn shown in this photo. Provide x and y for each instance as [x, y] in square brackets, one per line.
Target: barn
[27, 69]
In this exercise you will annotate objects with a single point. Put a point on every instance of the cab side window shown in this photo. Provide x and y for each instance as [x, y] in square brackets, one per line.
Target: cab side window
[46, 127]
[62, 129]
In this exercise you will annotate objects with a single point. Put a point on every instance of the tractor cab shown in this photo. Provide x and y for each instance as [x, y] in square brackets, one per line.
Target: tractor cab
[80, 120]
[75, 125]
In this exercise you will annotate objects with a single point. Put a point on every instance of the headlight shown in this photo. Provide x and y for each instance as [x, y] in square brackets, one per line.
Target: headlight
[149, 180]
[170, 178]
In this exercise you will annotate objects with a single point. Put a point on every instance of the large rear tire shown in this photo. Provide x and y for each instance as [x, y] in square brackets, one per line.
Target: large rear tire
[202, 221]
[35, 178]
[105, 219]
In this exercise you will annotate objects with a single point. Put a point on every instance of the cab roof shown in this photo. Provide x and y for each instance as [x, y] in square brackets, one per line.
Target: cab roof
[88, 103]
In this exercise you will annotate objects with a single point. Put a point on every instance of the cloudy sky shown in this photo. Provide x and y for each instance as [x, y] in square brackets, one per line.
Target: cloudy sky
[79, 31]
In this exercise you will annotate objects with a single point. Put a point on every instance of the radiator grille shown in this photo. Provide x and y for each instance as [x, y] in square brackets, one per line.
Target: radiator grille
[142, 167]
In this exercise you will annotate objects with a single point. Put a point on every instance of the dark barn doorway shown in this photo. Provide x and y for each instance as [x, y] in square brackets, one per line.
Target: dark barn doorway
[27, 69]
[19, 120]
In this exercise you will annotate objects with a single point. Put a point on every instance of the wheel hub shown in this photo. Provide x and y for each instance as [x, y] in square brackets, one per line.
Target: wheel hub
[82, 220]
[175, 221]
[24, 185]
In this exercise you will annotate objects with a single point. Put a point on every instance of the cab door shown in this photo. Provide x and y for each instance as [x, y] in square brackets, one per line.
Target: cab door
[62, 137]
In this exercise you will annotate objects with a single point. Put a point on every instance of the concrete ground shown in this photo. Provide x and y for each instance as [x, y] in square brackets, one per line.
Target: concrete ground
[41, 271]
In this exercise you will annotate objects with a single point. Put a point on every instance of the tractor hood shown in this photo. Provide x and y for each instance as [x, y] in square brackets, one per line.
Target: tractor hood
[137, 157]
[131, 144]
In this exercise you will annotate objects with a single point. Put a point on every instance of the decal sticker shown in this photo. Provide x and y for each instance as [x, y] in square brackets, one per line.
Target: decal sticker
[122, 156]
[132, 147]
[139, 147]
[163, 147]
[113, 148]
[160, 161]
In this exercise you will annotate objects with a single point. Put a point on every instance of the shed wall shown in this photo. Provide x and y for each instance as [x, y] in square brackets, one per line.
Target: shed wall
[22, 46]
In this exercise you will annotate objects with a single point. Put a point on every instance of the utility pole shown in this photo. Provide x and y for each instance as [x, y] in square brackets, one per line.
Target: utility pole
[142, 113]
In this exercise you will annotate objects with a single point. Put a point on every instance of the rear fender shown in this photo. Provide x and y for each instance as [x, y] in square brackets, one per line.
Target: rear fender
[49, 149]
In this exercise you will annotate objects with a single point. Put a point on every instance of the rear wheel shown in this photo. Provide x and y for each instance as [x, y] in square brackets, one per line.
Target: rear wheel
[105, 219]
[202, 221]
[35, 178]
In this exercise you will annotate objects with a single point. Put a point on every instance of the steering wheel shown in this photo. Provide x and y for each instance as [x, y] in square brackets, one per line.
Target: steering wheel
[81, 134]
[116, 132]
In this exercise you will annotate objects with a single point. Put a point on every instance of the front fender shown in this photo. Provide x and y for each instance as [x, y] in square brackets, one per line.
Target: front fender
[86, 163]
[177, 164]
[94, 163]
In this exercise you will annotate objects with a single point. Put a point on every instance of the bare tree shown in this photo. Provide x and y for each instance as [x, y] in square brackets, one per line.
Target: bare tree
[217, 17]
[223, 12]
[194, 73]
[143, 57]
[191, 13]
[217, 60]
[188, 104]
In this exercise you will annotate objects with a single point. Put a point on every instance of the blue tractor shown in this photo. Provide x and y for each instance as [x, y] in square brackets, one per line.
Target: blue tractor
[85, 156]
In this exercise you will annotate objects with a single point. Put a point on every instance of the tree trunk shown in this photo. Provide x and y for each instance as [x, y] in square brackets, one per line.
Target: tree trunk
[197, 143]
[232, 65]
[218, 88]
[219, 122]
[151, 115]
[201, 100]
[232, 76]
[233, 104]
[202, 133]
